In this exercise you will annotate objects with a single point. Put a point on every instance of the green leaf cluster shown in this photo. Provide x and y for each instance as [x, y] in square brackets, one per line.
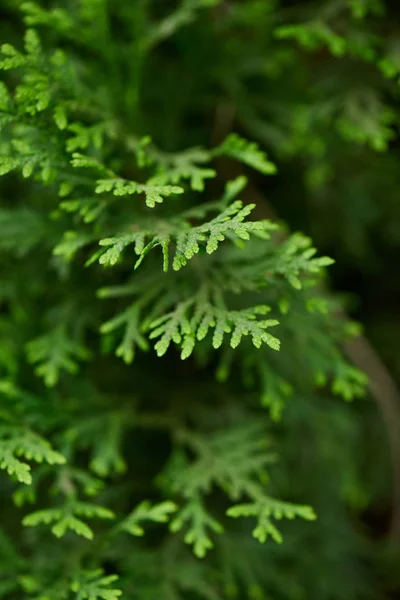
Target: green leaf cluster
[125, 131]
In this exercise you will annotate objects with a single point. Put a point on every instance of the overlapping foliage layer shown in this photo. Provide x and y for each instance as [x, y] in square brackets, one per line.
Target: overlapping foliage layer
[169, 354]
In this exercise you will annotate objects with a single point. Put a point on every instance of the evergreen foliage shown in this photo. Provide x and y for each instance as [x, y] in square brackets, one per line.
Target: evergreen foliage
[128, 243]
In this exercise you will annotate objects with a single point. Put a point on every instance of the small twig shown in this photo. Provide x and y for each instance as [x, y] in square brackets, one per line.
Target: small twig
[386, 394]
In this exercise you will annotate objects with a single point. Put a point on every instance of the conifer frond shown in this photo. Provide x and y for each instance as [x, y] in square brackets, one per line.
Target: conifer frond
[312, 35]
[145, 511]
[178, 167]
[53, 353]
[34, 93]
[366, 120]
[184, 325]
[158, 313]
[266, 508]
[109, 427]
[246, 152]
[198, 522]
[93, 585]
[296, 257]
[89, 208]
[133, 336]
[28, 159]
[56, 18]
[17, 443]
[67, 517]
[230, 223]
[70, 243]
[349, 382]
[234, 461]
[275, 391]
[154, 194]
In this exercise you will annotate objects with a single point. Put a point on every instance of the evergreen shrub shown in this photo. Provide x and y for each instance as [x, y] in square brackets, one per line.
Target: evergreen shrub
[172, 361]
